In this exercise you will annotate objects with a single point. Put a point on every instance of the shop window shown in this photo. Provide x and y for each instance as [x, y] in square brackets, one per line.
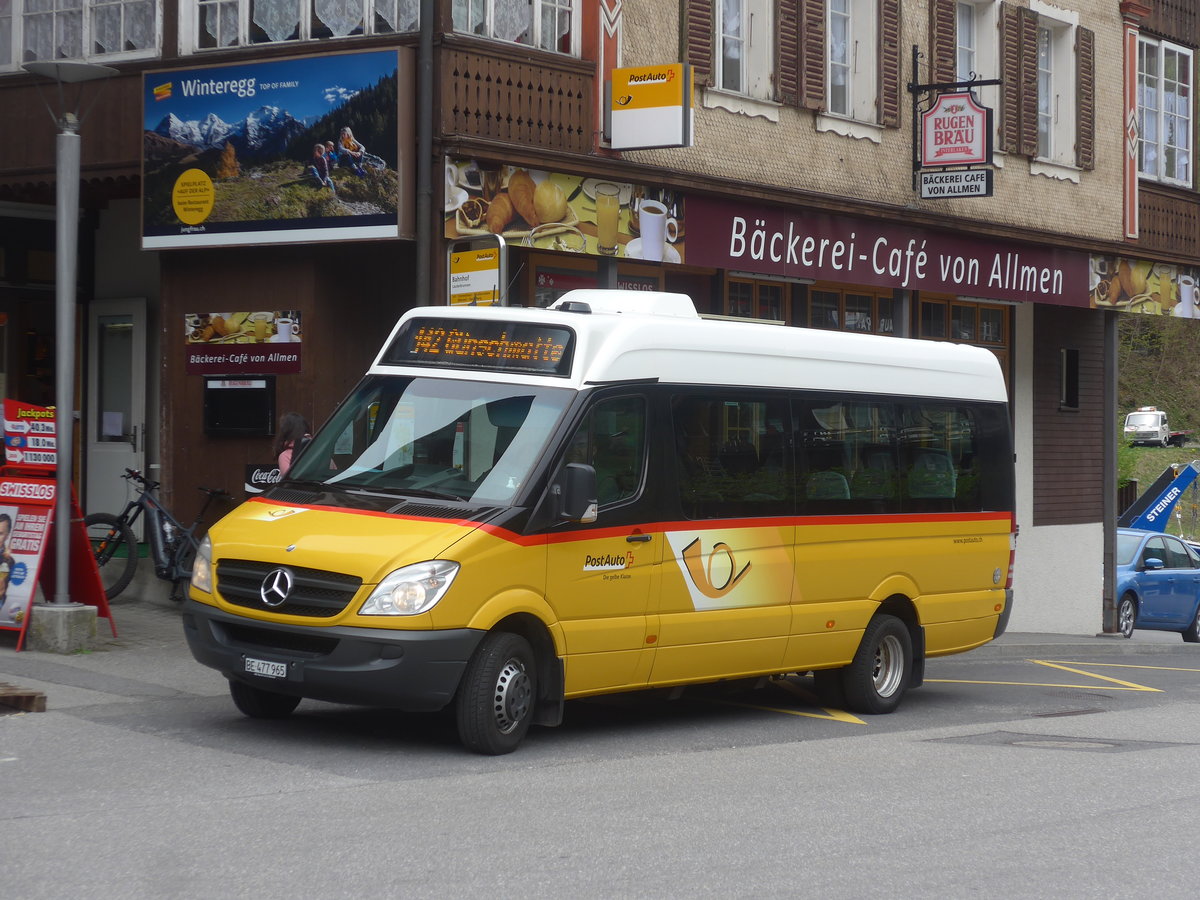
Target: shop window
[77, 29]
[216, 24]
[851, 310]
[546, 24]
[1165, 116]
[933, 319]
[751, 299]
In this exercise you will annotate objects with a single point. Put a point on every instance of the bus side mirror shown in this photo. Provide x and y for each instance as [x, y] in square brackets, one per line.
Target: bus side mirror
[576, 489]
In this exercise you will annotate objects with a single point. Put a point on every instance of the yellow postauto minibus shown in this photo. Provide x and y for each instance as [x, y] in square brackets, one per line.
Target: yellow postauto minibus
[517, 507]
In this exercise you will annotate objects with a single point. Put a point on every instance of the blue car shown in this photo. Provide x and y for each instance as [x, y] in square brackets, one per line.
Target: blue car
[1158, 584]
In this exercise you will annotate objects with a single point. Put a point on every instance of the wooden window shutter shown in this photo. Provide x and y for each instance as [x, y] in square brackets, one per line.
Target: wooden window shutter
[1018, 69]
[1029, 99]
[889, 63]
[1010, 72]
[787, 67]
[696, 39]
[1085, 100]
[812, 54]
[943, 39]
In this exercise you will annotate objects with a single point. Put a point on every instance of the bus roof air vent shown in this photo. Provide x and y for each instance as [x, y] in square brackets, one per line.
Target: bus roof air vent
[633, 303]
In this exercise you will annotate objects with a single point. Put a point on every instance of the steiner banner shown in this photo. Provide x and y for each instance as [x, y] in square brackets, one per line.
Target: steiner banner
[280, 151]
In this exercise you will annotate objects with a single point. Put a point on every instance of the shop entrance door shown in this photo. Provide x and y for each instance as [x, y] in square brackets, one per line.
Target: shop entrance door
[116, 401]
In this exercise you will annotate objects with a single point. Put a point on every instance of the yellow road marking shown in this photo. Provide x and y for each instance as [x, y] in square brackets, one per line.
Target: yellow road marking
[833, 715]
[1127, 666]
[1124, 685]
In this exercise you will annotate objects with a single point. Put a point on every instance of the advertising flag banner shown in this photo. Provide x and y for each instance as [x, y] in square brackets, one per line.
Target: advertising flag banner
[280, 151]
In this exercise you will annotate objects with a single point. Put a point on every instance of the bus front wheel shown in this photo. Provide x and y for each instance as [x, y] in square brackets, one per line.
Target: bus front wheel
[876, 679]
[497, 695]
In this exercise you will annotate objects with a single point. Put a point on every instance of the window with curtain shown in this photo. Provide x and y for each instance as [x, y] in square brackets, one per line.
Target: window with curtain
[545, 24]
[46, 30]
[218, 24]
[1165, 117]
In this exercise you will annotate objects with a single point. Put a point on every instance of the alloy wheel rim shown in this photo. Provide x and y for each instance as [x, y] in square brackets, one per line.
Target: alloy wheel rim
[889, 666]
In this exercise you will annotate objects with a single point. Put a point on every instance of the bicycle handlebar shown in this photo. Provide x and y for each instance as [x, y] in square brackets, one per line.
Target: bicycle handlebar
[135, 475]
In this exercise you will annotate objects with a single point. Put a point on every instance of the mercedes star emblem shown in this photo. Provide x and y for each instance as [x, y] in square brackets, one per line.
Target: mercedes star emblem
[276, 587]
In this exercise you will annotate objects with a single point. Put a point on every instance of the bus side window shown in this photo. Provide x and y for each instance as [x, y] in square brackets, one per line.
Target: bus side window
[612, 439]
[733, 456]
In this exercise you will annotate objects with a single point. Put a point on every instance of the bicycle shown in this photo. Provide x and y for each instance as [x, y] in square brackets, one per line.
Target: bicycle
[172, 546]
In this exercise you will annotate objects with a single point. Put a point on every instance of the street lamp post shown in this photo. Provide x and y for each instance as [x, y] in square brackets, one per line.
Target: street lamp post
[66, 252]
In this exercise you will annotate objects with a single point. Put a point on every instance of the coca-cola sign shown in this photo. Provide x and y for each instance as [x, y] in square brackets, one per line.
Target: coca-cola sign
[261, 476]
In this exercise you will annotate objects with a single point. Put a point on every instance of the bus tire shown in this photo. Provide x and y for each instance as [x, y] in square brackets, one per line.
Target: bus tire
[877, 677]
[259, 704]
[498, 694]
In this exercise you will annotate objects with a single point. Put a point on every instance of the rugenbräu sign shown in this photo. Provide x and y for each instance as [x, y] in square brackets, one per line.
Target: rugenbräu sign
[844, 249]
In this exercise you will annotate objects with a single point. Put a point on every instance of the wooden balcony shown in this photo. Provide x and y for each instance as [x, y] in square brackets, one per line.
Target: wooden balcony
[511, 94]
[1169, 221]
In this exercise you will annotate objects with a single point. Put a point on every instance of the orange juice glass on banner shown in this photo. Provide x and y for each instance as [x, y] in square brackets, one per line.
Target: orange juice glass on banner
[608, 210]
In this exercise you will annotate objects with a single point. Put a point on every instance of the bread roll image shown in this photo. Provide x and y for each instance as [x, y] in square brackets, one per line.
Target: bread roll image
[499, 213]
[521, 189]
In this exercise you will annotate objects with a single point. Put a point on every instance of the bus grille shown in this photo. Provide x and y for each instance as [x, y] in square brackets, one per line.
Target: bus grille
[315, 593]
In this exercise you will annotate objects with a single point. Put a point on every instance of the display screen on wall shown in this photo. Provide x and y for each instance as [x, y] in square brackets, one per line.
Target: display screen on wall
[283, 151]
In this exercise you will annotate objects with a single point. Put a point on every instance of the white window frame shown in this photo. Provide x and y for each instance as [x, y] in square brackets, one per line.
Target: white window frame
[751, 34]
[1056, 93]
[483, 15]
[985, 42]
[859, 58]
[12, 57]
[191, 28]
[1160, 141]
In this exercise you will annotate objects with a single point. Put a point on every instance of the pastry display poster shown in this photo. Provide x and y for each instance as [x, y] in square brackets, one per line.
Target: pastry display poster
[282, 151]
[566, 213]
[267, 342]
[1146, 287]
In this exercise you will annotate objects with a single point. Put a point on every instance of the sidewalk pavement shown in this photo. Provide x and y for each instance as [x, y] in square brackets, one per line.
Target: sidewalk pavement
[149, 657]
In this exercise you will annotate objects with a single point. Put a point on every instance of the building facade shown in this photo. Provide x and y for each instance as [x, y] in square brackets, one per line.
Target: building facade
[795, 203]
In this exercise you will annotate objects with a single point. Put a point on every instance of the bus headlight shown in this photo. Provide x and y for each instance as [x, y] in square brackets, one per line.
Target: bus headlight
[411, 590]
[202, 567]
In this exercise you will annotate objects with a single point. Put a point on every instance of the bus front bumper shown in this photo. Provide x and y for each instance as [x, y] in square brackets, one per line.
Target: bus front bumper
[416, 671]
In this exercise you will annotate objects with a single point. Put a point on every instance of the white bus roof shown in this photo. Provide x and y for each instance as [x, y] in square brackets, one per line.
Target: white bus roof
[642, 335]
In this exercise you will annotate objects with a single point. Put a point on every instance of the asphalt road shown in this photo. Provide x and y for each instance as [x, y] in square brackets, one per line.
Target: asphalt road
[1029, 769]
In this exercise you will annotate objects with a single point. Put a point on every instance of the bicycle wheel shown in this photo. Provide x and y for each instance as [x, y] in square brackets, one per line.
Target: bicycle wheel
[115, 550]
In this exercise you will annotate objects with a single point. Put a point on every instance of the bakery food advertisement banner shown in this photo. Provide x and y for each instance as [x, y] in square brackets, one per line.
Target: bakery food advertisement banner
[266, 342]
[566, 213]
[1146, 287]
[283, 151]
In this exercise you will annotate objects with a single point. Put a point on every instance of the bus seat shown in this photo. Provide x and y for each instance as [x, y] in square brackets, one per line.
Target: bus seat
[931, 474]
[827, 486]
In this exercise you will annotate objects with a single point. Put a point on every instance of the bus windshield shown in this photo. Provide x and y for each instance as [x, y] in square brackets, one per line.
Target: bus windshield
[432, 437]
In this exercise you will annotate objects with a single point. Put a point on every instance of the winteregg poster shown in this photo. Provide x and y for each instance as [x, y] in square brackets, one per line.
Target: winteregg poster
[271, 152]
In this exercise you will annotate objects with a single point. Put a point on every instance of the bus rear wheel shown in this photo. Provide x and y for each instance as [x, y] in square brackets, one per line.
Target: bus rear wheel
[877, 677]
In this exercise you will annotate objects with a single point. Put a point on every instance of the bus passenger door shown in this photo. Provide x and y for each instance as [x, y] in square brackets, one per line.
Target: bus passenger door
[600, 577]
[725, 604]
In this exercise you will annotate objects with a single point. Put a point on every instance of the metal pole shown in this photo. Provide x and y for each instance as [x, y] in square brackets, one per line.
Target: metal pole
[424, 185]
[66, 252]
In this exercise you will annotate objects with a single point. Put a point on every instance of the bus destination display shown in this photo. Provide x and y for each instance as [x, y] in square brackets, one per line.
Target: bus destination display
[477, 344]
